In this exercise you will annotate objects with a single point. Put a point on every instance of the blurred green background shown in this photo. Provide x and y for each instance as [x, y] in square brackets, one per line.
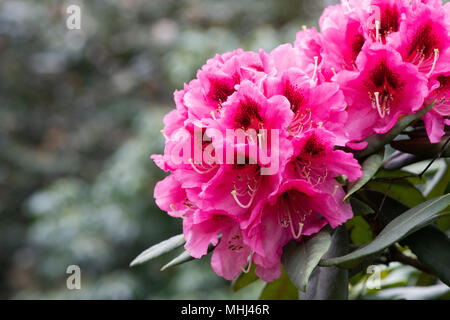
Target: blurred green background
[80, 114]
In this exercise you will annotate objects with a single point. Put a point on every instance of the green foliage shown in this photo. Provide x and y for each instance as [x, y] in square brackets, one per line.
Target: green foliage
[397, 229]
[300, 258]
[360, 231]
[330, 283]
[280, 289]
[159, 249]
[244, 279]
[369, 168]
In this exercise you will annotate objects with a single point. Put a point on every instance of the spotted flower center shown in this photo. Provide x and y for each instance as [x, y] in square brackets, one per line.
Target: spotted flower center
[302, 114]
[291, 214]
[382, 84]
[308, 164]
[247, 115]
[388, 23]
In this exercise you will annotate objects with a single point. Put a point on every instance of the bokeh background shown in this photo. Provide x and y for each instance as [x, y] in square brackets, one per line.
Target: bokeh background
[80, 114]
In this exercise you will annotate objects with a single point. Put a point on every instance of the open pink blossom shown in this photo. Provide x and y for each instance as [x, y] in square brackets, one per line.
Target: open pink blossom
[297, 209]
[438, 117]
[313, 105]
[423, 38]
[380, 91]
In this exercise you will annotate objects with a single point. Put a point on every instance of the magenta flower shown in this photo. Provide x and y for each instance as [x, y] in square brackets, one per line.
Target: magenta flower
[252, 147]
[380, 91]
[424, 37]
[436, 119]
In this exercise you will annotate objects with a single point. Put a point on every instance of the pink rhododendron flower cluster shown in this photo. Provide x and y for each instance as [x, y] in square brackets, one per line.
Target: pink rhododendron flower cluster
[371, 63]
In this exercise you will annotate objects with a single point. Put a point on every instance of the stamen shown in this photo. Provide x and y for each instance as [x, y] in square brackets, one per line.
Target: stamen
[164, 135]
[213, 115]
[260, 139]
[200, 171]
[336, 187]
[347, 5]
[381, 111]
[172, 207]
[436, 56]
[247, 270]
[300, 225]
[333, 70]
[316, 60]
[377, 28]
[246, 206]
[304, 27]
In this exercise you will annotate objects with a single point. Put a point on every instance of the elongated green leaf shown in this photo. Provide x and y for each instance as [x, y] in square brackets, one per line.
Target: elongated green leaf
[397, 229]
[244, 279]
[280, 289]
[360, 208]
[369, 169]
[330, 283]
[159, 249]
[402, 191]
[439, 183]
[432, 248]
[384, 175]
[399, 160]
[182, 258]
[378, 141]
[421, 147]
[300, 258]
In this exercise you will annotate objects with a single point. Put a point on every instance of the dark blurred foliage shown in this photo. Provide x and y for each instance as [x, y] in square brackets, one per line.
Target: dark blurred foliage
[80, 113]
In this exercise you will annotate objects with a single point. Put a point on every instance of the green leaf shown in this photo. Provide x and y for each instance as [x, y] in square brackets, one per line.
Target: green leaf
[439, 183]
[432, 248]
[397, 229]
[369, 168]
[360, 208]
[300, 258]
[330, 283]
[360, 231]
[244, 279]
[421, 147]
[398, 174]
[401, 191]
[399, 160]
[182, 258]
[159, 249]
[378, 141]
[280, 289]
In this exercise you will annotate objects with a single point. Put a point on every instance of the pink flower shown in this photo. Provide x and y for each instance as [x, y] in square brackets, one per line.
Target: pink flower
[312, 105]
[380, 91]
[283, 219]
[423, 37]
[343, 37]
[436, 119]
